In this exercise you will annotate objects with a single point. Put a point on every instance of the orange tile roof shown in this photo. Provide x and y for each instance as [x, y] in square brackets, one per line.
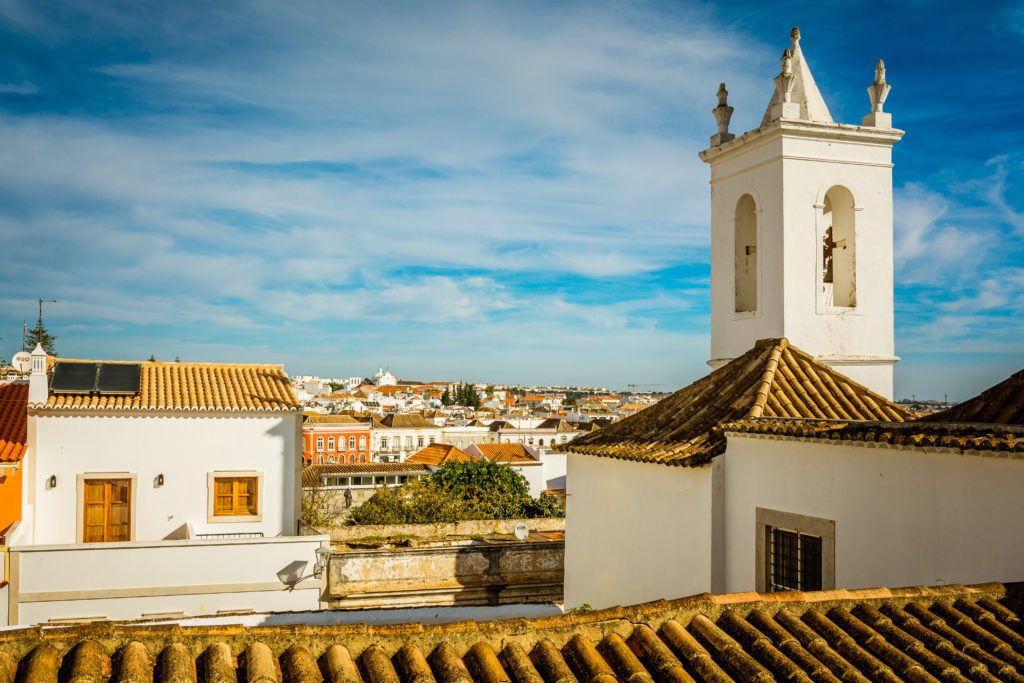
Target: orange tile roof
[13, 421]
[505, 452]
[436, 454]
[773, 379]
[194, 386]
[925, 634]
[336, 419]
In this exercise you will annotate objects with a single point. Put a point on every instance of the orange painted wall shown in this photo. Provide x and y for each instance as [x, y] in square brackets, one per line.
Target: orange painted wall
[341, 452]
[10, 498]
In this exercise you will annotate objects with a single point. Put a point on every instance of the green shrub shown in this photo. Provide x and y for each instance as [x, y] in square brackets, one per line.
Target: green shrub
[457, 491]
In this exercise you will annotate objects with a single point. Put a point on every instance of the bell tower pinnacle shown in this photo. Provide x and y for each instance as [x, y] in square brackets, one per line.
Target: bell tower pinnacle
[801, 228]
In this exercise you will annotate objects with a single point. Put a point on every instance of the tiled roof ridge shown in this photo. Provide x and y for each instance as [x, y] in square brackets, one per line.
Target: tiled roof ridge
[1002, 403]
[772, 379]
[954, 435]
[696, 611]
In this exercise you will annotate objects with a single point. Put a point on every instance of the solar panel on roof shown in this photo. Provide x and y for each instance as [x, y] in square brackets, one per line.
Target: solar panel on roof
[119, 378]
[74, 378]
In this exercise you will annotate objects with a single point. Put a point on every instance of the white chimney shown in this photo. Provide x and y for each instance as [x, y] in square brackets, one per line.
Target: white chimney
[37, 389]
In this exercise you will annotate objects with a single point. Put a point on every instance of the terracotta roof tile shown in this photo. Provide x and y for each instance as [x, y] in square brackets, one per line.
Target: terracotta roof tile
[505, 452]
[950, 633]
[964, 437]
[403, 421]
[312, 473]
[335, 419]
[1001, 404]
[774, 379]
[194, 386]
[13, 421]
[436, 454]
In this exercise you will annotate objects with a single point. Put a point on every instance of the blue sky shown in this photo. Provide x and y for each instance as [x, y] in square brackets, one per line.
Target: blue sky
[486, 191]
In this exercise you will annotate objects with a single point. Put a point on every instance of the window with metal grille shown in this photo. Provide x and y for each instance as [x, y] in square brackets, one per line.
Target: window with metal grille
[794, 561]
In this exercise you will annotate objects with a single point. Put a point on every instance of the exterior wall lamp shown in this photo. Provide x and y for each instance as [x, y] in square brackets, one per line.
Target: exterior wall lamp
[323, 556]
[160, 479]
[52, 481]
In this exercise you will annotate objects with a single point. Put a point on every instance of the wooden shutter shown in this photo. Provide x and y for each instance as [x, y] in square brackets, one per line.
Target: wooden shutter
[107, 511]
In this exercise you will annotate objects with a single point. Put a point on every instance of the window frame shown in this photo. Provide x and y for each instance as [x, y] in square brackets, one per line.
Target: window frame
[211, 494]
[133, 489]
[330, 443]
[766, 520]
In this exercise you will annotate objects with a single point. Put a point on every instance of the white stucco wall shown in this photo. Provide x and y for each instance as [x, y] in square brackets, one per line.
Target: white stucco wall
[902, 517]
[787, 173]
[127, 580]
[534, 475]
[635, 531]
[184, 447]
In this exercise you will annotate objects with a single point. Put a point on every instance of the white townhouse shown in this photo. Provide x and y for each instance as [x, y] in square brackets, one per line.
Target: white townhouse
[396, 436]
[170, 487]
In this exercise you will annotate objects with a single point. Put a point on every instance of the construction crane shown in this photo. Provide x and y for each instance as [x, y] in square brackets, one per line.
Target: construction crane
[633, 387]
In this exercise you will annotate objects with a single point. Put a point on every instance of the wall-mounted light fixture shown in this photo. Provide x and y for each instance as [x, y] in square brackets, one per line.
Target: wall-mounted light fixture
[52, 481]
[159, 481]
[323, 556]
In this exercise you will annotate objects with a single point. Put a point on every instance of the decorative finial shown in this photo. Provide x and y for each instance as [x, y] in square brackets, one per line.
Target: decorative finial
[878, 91]
[794, 35]
[784, 81]
[723, 113]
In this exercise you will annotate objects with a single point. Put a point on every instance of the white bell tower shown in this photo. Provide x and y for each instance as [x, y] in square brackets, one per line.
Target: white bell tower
[801, 229]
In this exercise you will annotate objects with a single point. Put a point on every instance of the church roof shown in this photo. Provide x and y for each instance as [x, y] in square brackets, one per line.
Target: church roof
[948, 633]
[1001, 404]
[988, 439]
[804, 90]
[773, 379]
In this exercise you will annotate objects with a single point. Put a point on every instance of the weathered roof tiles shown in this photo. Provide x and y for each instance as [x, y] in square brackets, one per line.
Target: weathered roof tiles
[13, 421]
[962, 437]
[951, 633]
[193, 386]
[773, 379]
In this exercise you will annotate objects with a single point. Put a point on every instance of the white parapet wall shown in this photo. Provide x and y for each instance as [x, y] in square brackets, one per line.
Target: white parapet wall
[163, 578]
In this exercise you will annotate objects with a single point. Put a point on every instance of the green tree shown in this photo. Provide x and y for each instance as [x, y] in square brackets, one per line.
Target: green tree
[446, 398]
[478, 489]
[336, 386]
[39, 335]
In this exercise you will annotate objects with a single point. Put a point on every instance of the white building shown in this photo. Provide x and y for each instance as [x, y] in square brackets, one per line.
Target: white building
[776, 471]
[384, 378]
[648, 493]
[182, 472]
[801, 230]
[396, 436]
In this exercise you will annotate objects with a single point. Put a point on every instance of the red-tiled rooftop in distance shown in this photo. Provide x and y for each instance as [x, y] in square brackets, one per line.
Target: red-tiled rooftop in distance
[13, 421]
[436, 454]
[311, 474]
[949, 633]
[505, 452]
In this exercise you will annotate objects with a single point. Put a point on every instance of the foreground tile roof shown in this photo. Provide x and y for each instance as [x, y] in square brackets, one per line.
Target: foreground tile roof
[13, 421]
[1001, 404]
[436, 454]
[951, 633]
[194, 386]
[311, 474]
[774, 379]
[963, 437]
